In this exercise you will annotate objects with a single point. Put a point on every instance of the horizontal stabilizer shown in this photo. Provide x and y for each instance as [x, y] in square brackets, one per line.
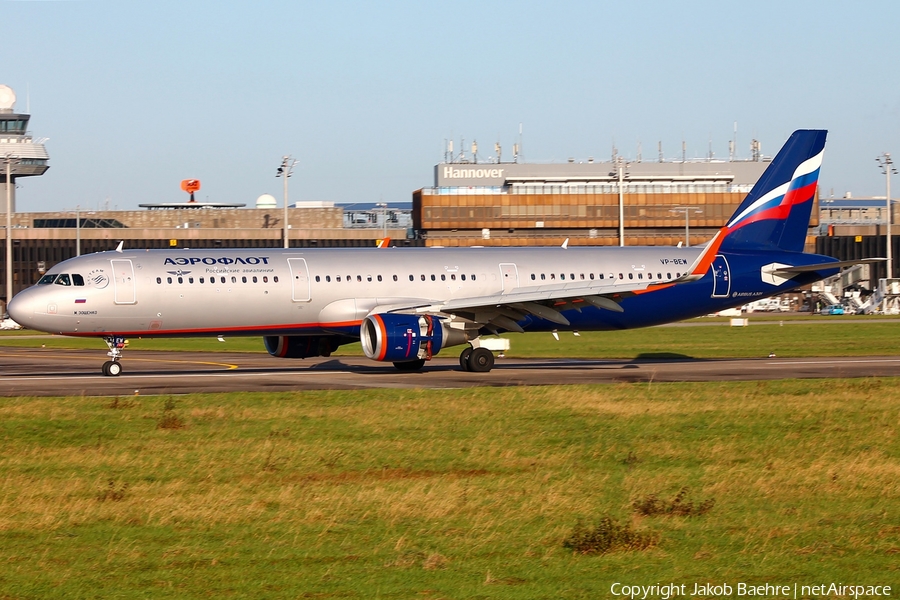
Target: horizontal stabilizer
[788, 271]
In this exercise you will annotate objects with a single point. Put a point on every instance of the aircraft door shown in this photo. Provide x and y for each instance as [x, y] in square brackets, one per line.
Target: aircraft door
[300, 291]
[509, 276]
[721, 277]
[123, 280]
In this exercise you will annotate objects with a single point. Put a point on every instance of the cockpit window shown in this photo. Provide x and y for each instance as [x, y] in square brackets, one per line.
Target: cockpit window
[63, 279]
[77, 279]
[47, 279]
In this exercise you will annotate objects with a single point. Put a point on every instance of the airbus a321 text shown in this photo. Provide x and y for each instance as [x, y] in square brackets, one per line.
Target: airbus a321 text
[407, 304]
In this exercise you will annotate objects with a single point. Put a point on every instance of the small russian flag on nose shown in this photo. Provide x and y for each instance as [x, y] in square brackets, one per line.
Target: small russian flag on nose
[80, 300]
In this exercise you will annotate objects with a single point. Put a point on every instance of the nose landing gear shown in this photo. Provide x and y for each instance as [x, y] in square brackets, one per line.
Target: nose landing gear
[113, 367]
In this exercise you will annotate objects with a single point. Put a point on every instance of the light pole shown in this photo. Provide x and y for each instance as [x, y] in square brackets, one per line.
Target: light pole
[77, 230]
[687, 210]
[286, 170]
[383, 206]
[9, 267]
[620, 171]
[887, 167]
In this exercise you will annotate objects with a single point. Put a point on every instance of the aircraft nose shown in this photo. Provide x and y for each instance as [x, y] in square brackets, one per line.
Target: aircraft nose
[21, 308]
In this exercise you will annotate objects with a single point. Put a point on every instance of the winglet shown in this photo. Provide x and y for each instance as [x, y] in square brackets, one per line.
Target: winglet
[120, 246]
[384, 243]
[565, 244]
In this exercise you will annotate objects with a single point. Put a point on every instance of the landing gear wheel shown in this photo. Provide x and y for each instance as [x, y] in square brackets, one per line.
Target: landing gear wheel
[411, 365]
[481, 360]
[464, 358]
[112, 368]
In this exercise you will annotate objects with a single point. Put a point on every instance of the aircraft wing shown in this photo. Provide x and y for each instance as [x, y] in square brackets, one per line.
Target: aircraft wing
[503, 310]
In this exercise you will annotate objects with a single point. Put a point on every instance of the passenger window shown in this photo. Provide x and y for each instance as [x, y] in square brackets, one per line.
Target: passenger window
[168, 280]
[452, 277]
[395, 278]
[369, 278]
[443, 277]
[359, 278]
[562, 275]
[63, 279]
[265, 279]
[47, 279]
[668, 276]
[233, 279]
[327, 279]
[543, 277]
[423, 277]
[317, 279]
[582, 275]
[433, 278]
[212, 280]
[255, 279]
[411, 278]
[659, 275]
[181, 280]
[337, 278]
[190, 280]
[243, 279]
[621, 276]
[572, 276]
[592, 275]
[631, 276]
[158, 280]
[473, 278]
[553, 276]
[77, 279]
[202, 280]
[463, 276]
[640, 275]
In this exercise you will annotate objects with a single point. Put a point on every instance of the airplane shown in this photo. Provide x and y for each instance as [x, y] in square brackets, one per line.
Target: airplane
[407, 304]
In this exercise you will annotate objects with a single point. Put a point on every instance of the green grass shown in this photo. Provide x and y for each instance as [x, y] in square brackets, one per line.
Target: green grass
[862, 336]
[447, 494]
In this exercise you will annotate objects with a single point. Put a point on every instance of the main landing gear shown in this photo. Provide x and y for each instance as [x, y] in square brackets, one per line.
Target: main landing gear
[113, 367]
[476, 360]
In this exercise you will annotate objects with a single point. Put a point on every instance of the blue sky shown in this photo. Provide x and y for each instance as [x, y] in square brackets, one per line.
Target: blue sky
[136, 96]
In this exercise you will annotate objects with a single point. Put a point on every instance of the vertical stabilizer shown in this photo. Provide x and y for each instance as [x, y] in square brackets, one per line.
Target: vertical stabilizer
[775, 214]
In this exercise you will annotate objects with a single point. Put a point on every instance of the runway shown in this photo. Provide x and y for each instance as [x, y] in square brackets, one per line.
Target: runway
[46, 372]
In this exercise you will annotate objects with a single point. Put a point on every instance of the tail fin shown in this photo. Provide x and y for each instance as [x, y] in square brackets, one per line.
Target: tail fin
[775, 214]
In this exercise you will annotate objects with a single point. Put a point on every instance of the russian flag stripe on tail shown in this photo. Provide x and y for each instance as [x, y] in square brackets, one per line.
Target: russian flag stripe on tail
[775, 214]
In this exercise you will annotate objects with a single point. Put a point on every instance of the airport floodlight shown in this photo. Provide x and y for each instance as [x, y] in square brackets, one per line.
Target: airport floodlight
[887, 167]
[687, 210]
[285, 170]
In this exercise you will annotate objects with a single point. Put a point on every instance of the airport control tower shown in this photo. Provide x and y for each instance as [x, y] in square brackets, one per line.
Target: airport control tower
[27, 157]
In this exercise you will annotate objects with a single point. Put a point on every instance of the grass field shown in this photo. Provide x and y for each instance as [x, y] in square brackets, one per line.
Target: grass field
[448, 494]
[798, 336]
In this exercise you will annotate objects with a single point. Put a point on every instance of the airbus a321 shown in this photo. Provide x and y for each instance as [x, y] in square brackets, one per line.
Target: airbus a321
[408, 304]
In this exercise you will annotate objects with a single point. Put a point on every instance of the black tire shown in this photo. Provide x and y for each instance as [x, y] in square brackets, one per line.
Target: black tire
[481, 360]
[464, 358]
[105, 367]
[411, 365]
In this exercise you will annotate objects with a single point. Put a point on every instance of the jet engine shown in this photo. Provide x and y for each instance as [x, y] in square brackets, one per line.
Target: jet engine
[402, 338]
[302, 346]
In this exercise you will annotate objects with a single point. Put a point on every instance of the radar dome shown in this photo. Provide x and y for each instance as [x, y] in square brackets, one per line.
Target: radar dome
[266, 201]
[7, 98]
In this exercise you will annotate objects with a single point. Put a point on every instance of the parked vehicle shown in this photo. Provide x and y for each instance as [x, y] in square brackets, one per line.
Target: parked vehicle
[833, 309]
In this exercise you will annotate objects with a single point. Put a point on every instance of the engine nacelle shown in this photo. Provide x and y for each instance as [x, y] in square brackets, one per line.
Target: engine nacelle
[301, 346]
[401, 338]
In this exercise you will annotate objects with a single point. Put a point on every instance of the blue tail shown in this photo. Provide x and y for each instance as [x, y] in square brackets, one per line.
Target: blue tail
[775, 214]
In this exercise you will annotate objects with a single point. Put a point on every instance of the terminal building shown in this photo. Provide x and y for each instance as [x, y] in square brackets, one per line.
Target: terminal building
[525, 204]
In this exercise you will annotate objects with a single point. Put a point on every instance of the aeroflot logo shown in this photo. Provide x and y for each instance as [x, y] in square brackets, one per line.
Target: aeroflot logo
[223, 260]
[451, 173]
